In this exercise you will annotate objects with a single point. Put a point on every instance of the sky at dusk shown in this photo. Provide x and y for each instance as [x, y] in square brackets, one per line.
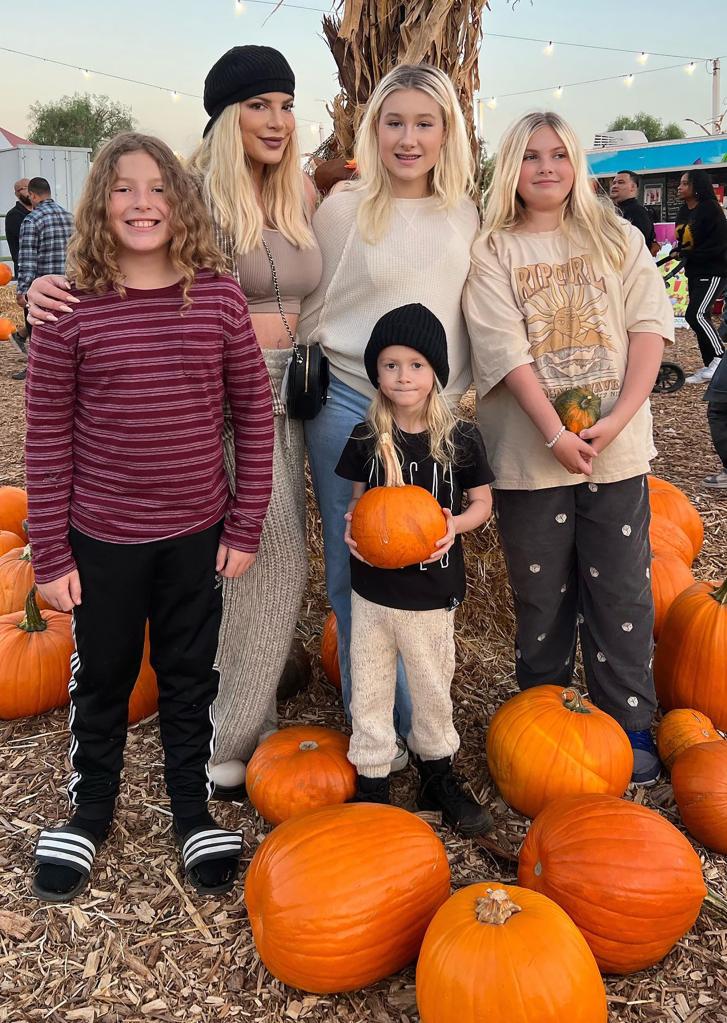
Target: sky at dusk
[173, 45]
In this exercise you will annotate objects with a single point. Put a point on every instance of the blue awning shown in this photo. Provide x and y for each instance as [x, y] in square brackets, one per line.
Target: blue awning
[656, 157]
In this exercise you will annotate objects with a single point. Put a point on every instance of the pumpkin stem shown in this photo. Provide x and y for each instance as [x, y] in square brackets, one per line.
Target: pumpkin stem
[720, 594]
[33, 621]
[392, 467]
[572, 701]
[26, 555]
[495, 907]
[716, 901]
[308, 745]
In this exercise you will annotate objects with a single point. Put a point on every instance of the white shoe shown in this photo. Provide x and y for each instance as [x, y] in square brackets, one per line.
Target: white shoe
[401, 759]
[700, 377]
[710, 369]
[718, 481]
[228, 779]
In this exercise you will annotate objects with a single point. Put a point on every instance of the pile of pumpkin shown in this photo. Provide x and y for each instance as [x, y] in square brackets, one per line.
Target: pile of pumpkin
[36, 642]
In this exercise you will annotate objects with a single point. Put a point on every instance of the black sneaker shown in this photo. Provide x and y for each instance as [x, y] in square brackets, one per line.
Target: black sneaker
[20, 344]
[441, 789]
[372, 790]
[20, 375]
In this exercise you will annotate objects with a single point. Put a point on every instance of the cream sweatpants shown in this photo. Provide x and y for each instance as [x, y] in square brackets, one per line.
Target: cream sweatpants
[425, 641]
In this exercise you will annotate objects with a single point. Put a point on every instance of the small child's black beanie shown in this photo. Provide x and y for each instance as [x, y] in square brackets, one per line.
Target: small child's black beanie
[416, 327]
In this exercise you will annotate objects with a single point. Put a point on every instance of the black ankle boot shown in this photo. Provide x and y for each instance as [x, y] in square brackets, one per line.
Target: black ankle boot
[372, 790]
[441, 789]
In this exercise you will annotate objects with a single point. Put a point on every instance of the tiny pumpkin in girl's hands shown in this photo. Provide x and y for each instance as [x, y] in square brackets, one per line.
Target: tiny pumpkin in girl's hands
[578, 408]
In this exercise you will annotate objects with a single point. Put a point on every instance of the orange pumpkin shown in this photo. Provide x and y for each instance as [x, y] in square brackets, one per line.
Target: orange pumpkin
[7, 327]
[329, 651]
[689, 664]
[6, 274]
[504, 954]
[578, 408]
[699, 779]
[13, 510]
[669, 577]
[680, 729]
[668, 500]
[396, 525]
[9, 541]
[297, 770]
[668, 539]
[341, 897]
[627, 878]
[144, 699]
[16, 579]
[548, 742]
[35, 656]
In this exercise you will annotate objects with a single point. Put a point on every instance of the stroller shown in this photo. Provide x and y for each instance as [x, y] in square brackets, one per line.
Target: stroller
[671, 376]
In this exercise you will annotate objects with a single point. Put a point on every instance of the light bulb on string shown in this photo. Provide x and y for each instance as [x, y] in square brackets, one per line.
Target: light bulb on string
[690, 68]
[548, 50]
[85, 72]
[174, 95]
[239, 7]
[628, 81]
[558, 92]
[642, 57]
[492, 102]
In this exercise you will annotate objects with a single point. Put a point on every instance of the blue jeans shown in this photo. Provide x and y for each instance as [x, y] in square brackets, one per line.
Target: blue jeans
[325, 438]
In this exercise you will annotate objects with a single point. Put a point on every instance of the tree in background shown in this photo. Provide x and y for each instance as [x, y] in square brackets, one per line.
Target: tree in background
[653, 127]
[78, 120]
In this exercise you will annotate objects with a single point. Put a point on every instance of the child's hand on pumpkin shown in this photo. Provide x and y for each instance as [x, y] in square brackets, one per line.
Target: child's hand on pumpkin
[574, 454]
[231, 563]
[600, 434]
[447, 540]
[63, 594]
[350, 542]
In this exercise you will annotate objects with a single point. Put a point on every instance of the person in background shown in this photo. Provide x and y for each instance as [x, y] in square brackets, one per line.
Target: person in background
[701, 231]
[44, 235]
[624, 192]
[716, 396]
[13, 219]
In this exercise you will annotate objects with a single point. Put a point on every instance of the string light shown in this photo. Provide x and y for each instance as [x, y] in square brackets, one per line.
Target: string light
[548, 51]
[174, 95]
[239, 7]
[628, 81]
[690, 68]
[492, 102]
[642, 57]
[558, 92]
[85, 73]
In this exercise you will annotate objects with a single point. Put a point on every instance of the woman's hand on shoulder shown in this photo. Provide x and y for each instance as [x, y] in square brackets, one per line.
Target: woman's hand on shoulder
[48, 295]
[574, 454]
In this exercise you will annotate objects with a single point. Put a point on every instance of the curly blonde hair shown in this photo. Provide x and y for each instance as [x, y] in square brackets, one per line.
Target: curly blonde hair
[92, 259]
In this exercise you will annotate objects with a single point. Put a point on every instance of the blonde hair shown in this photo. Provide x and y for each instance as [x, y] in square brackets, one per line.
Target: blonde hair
[227, 186]
[439, 423]
[593, 220]
[453, 174]
[92, 258]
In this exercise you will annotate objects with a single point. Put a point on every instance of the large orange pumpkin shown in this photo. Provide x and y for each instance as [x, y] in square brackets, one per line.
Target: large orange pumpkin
[297, 770]
[668, 500]
[35, 656]
[680, 729]
[398, 524]
[667, 538]
[669, 577]
[329, 651]
[7, 327]
[504, 954]
[699, 779]
[9, 541]
[627, 878]
[13, 509]
[578, 408]
[690, 669]
[548, 742]
[341, 897]
[16, 579]
[6, 274]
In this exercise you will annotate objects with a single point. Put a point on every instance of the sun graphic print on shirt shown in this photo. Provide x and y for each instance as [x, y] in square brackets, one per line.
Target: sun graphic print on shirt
[566, 309]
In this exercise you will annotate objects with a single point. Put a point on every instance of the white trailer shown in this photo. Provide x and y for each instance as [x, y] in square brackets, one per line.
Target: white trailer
[64, 167]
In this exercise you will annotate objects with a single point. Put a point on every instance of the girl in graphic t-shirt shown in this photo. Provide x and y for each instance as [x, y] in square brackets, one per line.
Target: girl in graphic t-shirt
[410, 611]
[563, 294]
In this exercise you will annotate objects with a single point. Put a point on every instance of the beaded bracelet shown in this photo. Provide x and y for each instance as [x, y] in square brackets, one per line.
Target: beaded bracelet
[554, 441]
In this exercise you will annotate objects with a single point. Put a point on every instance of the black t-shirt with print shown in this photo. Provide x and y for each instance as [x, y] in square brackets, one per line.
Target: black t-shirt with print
[417, 587]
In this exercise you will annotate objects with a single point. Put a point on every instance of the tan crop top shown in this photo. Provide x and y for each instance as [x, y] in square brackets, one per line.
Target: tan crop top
[298, 271]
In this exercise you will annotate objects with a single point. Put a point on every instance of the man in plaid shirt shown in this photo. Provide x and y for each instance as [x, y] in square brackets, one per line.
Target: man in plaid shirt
[44, 236]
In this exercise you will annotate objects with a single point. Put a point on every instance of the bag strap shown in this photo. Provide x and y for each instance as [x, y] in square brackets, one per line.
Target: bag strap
[277, 293]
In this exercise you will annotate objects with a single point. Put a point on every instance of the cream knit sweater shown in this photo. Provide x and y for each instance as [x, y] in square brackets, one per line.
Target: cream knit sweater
[423, 257]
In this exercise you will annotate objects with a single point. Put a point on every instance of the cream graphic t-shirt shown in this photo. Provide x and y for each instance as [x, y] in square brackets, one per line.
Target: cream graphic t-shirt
[541, 299]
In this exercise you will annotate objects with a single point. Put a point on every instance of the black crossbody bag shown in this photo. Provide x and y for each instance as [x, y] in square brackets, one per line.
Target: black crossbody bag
[305, 384]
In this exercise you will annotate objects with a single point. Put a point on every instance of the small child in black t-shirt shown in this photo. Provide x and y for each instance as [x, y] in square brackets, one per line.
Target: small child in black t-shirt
[409, 612]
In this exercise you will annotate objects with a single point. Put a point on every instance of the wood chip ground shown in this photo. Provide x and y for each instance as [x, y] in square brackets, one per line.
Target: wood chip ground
[139, 946]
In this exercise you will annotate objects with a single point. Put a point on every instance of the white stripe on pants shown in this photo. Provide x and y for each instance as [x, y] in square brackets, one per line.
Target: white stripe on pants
[425, 641]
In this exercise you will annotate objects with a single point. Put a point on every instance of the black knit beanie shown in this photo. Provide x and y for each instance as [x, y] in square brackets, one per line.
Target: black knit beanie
[415, 327]
[242, 72]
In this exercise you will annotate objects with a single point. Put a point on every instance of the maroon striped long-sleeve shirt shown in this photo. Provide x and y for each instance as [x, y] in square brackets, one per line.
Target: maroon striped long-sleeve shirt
[124, 405]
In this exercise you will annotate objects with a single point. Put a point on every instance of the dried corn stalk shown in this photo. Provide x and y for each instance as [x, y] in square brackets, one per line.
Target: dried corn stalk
[369, 37]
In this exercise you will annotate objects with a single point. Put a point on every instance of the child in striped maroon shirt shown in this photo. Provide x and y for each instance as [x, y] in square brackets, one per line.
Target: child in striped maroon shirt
[130, 514]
